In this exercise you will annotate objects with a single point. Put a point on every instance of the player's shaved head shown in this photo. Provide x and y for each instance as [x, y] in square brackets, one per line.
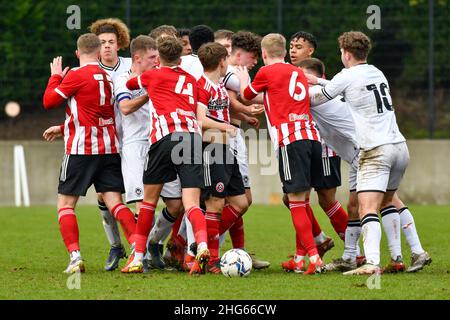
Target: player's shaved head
[200, 35]
[357, 43]
[169, 50]
[210, 55]
[314, 65]
[274, 44]
[88, 43]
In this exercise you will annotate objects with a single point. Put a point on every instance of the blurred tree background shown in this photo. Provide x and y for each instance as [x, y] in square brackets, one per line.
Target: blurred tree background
[33, 32]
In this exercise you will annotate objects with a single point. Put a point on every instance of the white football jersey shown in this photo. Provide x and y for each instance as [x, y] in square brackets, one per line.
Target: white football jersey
[366, 90]
[336, 126]
[192, 65]
[122, 66]
[136, 125]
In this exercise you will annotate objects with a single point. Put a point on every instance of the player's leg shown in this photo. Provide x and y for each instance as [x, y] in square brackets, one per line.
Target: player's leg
[399, 156]
[161, 230]
[296, 172]
[191, 174]
[419, 257]
[334, 210]
[68, 227]
[76, 176]
[372, 182]
[214, 206]
[117, 251]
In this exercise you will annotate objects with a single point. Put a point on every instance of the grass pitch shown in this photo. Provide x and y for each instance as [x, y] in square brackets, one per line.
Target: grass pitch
[33, 256]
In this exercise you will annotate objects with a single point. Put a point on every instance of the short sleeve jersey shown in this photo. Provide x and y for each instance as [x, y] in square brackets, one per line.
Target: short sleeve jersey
[173, 92]
[366, 90]
[214, 98]
[286, 102]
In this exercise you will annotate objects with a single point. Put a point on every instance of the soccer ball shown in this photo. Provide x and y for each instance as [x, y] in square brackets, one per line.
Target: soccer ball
[236, 263]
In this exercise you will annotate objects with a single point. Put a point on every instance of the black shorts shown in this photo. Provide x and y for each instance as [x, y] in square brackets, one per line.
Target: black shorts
[79, 172]
[300, 165]
[177, 153]
[222, 175]
[330, 176]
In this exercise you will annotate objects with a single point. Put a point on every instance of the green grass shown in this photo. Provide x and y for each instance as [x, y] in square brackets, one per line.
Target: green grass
[32, 257]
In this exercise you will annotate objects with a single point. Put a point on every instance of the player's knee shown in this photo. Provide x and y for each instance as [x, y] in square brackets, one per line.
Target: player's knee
[326, 198]
[174, 206]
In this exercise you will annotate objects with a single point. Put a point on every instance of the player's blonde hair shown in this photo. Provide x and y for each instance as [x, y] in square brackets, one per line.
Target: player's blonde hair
[357, 43]
[112, 25]
[88, 43]
[275, 45]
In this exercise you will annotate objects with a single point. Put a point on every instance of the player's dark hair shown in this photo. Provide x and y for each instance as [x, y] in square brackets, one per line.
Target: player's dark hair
[142, 43]
[306, 36]
[223, 34]
[163, 29]
[314, 65]
[183, 32]
[169, 49]
[247, 41]
[357, 43]
[210, 55]
[199, 35]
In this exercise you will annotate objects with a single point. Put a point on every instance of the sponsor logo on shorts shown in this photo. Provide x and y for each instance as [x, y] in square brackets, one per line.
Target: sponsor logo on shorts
[138, 192]
[220, 187]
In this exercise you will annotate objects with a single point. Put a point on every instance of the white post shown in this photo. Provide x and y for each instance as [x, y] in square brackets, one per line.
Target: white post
[18, 196]
[21, 179]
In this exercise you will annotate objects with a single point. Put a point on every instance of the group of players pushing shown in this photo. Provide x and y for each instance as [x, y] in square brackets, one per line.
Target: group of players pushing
[182, 90]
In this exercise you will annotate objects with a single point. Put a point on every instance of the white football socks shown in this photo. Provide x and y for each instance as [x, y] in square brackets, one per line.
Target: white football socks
[110, 226]
[391, 225]
[163, 225]
[371, 232]
[352, 233]
[320, 238]
[409, 230]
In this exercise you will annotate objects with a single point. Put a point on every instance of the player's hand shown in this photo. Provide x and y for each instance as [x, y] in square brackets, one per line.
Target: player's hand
[242, 74]
[231, 130]
[52, 133]
[253, 122]
[56, 67]
[256, 109]
[312, 79]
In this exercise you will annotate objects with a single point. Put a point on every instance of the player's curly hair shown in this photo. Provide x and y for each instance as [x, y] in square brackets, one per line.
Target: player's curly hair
[357, 43]
[247, 41]
[112, 25]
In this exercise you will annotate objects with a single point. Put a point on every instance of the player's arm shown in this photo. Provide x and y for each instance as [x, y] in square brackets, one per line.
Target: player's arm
[207, 123]
[53, 132]
[138, 82]
[124, 98]
[55, 94]
[128, 105]
[330, 90]
[238, 107]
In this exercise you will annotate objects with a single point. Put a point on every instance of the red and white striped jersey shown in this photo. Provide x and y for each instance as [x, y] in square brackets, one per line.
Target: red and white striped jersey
[173, 92]
[214, 98]
[90, 125]
[286, 102]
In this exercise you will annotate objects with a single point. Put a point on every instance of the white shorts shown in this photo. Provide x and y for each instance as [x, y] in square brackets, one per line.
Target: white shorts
[239, 149]
[133, 159]
[172, 190]
[382, 168]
